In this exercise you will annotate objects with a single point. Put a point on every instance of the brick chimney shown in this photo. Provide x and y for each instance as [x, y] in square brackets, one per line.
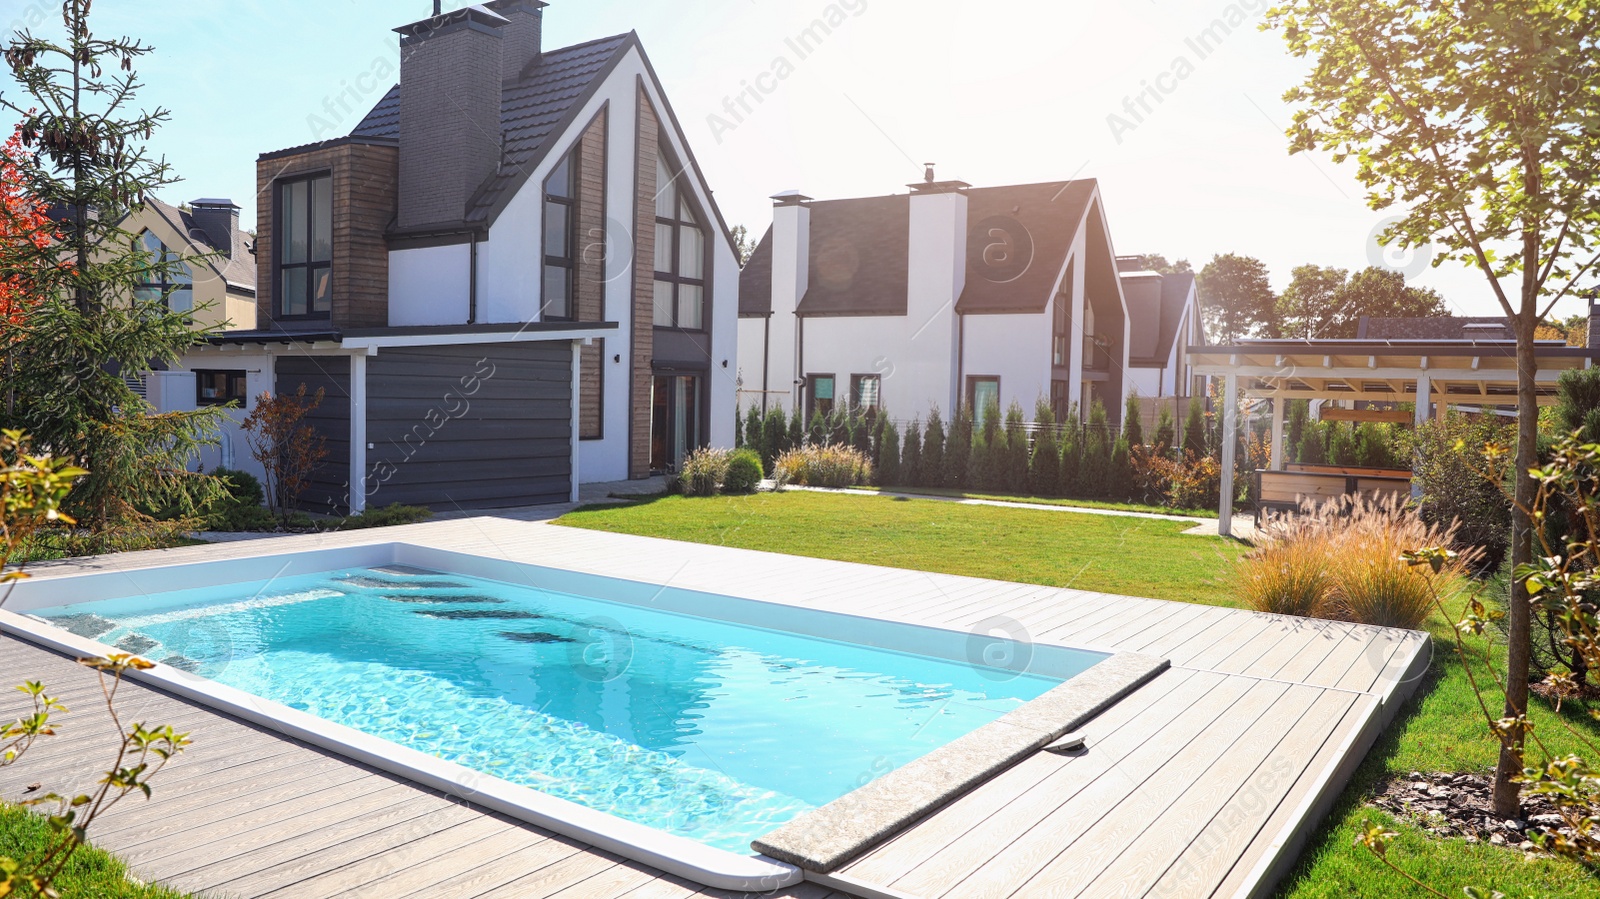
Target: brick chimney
[218, 220]
[524, 35]
[450, 76]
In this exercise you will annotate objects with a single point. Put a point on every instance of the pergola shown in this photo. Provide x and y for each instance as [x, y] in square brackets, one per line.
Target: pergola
[1433, 374]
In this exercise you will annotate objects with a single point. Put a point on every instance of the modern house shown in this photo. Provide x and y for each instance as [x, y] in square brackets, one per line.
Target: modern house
[949, 295]
[213, 264]
[509, 278]
[1163, 322]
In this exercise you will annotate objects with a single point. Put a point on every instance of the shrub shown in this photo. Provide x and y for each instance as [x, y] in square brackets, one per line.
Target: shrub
[1344, 559]
[1132, 423]
[1015, 457]
[774, 436]
[382, 517]
[1094, 468]
[816, 430]
[288, 447]
[911, 457]
[1120, 485]
[1578, 403]
[888, 466]
[743, 473]
[1194, 430]
[980, 465]
[1071, 454]
[958, 448]
[702, 471]
[823, 466]
[1459, 485]
[1190, 482]
[1044, 467]
[932, 472]
[240, 508]
[755, 430]
[792, 438]
[1164, 431]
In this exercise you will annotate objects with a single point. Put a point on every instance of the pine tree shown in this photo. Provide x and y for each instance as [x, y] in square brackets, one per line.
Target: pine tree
[795, 436]
[1044, 467]
[1016, 454]
[1132, 421]
[1194, 431]
[1120, 485]
[738, 428]
[911, 456]
[958, 451]
[83, 138]
[1071, 454]
[888, 443]
[1299, 411]
[755, 432]
[817, 430]
[931, 473]
[774, 441]
[1094, 469]
[980, 464]
[1164, 431]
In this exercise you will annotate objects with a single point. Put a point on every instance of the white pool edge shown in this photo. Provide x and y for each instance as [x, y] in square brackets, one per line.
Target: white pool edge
[666, 852]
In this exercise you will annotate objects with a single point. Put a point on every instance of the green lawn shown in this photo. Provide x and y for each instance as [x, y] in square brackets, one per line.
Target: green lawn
[1053, 501]
[1086, 552]
[91, 874]
[1440, 729]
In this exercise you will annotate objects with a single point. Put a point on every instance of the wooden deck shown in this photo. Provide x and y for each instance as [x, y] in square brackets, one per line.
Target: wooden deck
[1202, 783]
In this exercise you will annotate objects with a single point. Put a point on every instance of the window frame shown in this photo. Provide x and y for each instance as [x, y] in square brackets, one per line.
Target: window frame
[972, 395]
[570, 261]
[856, 380]
[310, 267]
[230, 373]
[678, 225]
[169, 263]
[811, 394]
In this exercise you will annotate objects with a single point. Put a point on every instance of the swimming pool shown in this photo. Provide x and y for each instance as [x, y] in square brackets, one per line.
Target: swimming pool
[708, 718]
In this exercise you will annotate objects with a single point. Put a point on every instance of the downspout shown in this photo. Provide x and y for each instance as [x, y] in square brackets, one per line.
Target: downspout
[472, 281]
[800, 366]
[766, 359]
[961, 363]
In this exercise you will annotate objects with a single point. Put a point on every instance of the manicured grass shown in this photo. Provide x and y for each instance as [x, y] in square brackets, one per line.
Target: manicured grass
[1440, 729]
[90, 874]
[1053, 501]
[1085, 552]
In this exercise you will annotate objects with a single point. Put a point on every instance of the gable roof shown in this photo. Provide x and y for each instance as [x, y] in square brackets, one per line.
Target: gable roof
[755, 279]
[860, 248]
[1176, 290]
[237, 264]
[1049, 215]
[1441, 327]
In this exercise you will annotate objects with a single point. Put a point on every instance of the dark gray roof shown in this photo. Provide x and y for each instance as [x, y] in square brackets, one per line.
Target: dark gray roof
[533, 110]
[1434, 328]
[1176, 289]
[755, 279]
[237, 265]
[859, 250]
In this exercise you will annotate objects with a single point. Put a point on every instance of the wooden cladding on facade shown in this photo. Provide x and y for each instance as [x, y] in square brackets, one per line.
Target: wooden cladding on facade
[591, 274]
[364, 187]
[644, 268]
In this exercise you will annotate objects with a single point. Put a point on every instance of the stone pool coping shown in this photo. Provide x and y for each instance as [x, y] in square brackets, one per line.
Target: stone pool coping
[825, 839]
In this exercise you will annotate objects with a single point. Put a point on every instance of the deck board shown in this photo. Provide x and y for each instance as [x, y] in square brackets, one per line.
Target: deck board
[1191, 786]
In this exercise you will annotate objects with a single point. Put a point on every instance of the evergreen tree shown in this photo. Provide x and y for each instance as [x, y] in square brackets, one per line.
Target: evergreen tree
[1016, 450]
[87, 325]
[861, 432]
[774, 440]
[980, 464]
[1044, 467]
[738, 428]
[1094, 469]
[1297, 413]
[839, 426]
[1133, 421]
[1121, 482]
[1313, 447]
[1071, 454]
[931, 473]
[817, 430]
[911, 456]
[1164, 431]
[958, 451]
[1194, 430]
[795, 436]
[755, 431]
[1341, 444]
[888, 444]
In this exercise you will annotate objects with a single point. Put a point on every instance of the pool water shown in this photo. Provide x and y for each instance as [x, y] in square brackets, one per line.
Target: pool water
[704, 728]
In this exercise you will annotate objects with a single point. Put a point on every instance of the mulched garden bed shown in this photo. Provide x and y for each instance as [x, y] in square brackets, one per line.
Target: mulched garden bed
[1458, 805]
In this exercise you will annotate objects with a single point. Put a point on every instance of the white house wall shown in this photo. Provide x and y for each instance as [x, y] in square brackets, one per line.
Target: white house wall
[428, 286]
[174, 391]
[914, 373]
[1016, 348]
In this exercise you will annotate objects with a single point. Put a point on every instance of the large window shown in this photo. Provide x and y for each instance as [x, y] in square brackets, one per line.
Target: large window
[864, 391]
[163, 277]
[216, 388]
[1060, 331]
[680, 286]
[560, 240]
[983, 394]
[819, 395]
[305, 247]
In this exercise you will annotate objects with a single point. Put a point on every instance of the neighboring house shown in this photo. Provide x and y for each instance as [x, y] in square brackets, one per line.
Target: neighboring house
[951, 295]
[510, 277]
[1163, 322]
[214, 273]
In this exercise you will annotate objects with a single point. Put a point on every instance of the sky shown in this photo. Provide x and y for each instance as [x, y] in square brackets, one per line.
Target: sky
[1000, 92]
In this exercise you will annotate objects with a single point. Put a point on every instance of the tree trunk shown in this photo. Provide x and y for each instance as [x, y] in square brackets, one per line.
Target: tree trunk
[1507, 793]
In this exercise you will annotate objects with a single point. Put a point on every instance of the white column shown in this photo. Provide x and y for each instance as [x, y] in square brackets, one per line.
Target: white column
[1424, 390]
[1277, 434]
[577, 354]
[1230, 437]
[358, 433]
